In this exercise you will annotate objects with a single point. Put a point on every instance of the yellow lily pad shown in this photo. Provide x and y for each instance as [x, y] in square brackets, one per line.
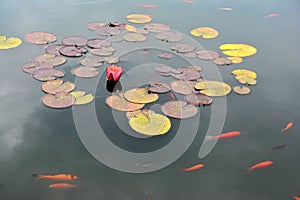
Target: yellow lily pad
[9, 43]
[130, 28]
[121, 104]
[213, 88]
[235, 60]
[247, 81]
[140, 95]
[241, 90]
[205, 32]
[244, 73]
[149, 123]
[82, 98]
[238, 50]
[138, 18]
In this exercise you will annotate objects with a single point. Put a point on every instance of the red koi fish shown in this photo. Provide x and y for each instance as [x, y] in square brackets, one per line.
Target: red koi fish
[288, 126]
[172, 96]
[296, 198]
[147, 6]
[224, 135]
[113, 72]
[260, 165]
[272, 15]
[63, 185]
[57, 177]
[193, 168]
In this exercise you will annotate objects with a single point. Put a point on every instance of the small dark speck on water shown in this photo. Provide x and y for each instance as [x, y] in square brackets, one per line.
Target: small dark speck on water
[279, 147]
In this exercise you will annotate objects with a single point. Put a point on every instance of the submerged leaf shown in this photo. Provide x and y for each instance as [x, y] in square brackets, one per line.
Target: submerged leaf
[9, 43]
[213, 88]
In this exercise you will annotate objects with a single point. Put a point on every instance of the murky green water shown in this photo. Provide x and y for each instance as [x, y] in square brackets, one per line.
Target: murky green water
[37, 139]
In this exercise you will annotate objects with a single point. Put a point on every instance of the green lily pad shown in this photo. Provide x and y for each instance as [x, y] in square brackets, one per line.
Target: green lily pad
[213, 88]
[120, 103]
[82, 98]
[205, 32]
[239, 50]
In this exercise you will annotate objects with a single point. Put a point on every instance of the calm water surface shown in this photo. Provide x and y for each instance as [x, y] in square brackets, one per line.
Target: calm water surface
[37, 139]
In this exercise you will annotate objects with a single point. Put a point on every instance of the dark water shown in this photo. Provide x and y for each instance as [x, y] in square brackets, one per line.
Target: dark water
[36, 139]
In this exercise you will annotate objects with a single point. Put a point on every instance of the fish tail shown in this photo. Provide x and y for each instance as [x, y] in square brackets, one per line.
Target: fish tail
[208, 138]
[183, 169]
[36, 176]
[249, 169]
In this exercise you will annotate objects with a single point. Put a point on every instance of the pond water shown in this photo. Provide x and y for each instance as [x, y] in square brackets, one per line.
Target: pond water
[35, 139]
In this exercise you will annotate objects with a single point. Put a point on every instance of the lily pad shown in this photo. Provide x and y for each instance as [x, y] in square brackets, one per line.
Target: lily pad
[50, 59]
[198, 99]
[165, 55]
[241, 90]
[121, 104]
[112, 60]
[92, 61]
[82, 98]
[72, 51]
[244, 73]
[104, 51]
[130, 28]
[205, 32]
[169, 36]
[134, 37]
[235, 60]
[149, 123]
[108, 31]
[97, 43]
[74, 40]
[140, 95]
[138, 18]
[182, 48]
[55, 86]
[158, 87]
[163, 68]
[86, 72]
[246, 80]
[95, 25]
[54, 49]
[9, 43]
[46, 74]
[31, 67]
[238, 50]
[182, 87]
[156, 27]
[222, 61]
[213, 88]
[190, 55]
[187, 73]
[207, 54]
[179, 109]
[58, 100]
[197, 68]
[40, 38]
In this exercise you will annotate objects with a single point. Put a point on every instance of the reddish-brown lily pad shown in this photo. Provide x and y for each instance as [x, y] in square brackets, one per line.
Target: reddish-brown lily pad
[121, 104]
[40, 38]
[169, 36]
[74, 40]
[54, 49]
[190, 55]
[179, 109]
[72, 51]
[97, 43]
[182, 48]
[58, 100]
[55, 86]
[107, 31]
[222, 61]
[50, 59]
[207, 54]
[104, 51]
[156, 27]
[86, 72]
[95, 25]
[31, 67]
[134, 37]
[198, 99]
[112, 60]
[92, 61]
[165, 55]
[47, 74]
[163, 68]
[182, 86]
[158, 87]
[186, 73]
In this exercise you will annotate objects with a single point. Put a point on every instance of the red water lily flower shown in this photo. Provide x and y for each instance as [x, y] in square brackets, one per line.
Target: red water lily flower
[113, 72]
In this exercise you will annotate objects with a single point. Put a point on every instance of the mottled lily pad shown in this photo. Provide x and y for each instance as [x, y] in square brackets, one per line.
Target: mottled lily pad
[246, 80]
[95, 25]
[140, 95]
[112, 60]
[40, 38]
[241, 90]
[50, 59]
[197, 68]
[92, 61]
[187, 73]
[121, 104]
[190, 55]
[86, 72]
[235, 60]
[9, 43]
[138, 18]
[107, 31]
[213, 88]
[156, 27]
[134, 37]
[182, 48]
[158, 87]
[169, 36]
[198, 99]
[165, 55]
[179, 109]
[104, 51]
[97, 43]
[244, 73]
[73, 51]
[54, 49]
[74, 40]
[207, 54]
[222, 61]
[31, 67]
[47, 74]
[238, 50]
[163, 68]
[82, 98]
[55, 86]
[58, 100]
[205, 32]
[182, 87]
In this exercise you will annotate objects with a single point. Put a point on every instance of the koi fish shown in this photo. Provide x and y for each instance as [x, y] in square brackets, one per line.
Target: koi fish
[272, 15]
[288, 126]
[296, 198]
[63, 185]
[148, 197]
[193, 168]
[113, 72]
[279, 147]
[226, 9]
[61, 177]
[172, 96]
[147, 6]
[189, 1]
[224, 135]
[260, 165]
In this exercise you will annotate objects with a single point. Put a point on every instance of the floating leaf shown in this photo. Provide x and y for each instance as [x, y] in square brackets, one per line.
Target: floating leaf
[158, 87]
[207, 54]
[95, 25]
[130, 28]
[222, 61]
[72, 51]
[97, 43]
[138, 18]
[92, 61]
[186, 73]
[31, 67]
[82, 98]
[156, 27]
[58, 100]
[104, 51]
[149, 123]
[54, 49]
[163, 68]
[244, 73]
[134, 37]
[46, 74]
[74, 40]
[198, 99]
[121, 104]
[118, 25]
[241, 90]
[165, 55]
[238, 50]
[213, 88]
[140, 95]
[205, 32]
[112, 60]
[55, 86]
[9, 43]
[50, 59]
[182, 86]
[246, 80]
[235, 60]
[190, 55]
[179, 109]
[182, 48]
[108, 31]
[197, 68]
[169, 36]
[85, 72]
[40, 38]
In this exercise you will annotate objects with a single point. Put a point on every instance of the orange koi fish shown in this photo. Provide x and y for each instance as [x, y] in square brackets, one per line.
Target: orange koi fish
[193, 168]
[224, 135]
[296, 198]
[60, 177]
[288, 126]
[147, 6]
[272, 15]
[226, 9]
[63, 185]
[189, 1]
[260, 165]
